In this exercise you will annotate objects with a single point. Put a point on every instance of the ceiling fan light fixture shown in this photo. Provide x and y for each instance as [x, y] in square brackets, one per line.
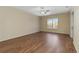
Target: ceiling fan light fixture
[43, 11]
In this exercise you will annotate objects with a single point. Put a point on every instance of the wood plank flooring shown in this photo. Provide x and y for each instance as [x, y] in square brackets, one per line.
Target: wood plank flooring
[40, 42]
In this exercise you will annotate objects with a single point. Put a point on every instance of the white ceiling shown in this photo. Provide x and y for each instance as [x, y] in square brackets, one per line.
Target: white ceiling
[35, 10]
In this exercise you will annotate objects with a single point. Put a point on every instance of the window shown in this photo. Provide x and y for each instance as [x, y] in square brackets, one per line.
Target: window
[52, 23]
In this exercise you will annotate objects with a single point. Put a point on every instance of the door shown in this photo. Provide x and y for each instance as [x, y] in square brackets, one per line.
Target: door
[72, 25]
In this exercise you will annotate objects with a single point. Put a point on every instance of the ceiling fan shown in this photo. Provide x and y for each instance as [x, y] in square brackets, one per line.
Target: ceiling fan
[44, 11]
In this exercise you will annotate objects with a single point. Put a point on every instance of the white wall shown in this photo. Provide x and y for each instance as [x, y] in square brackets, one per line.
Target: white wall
[15, 23]
[76, 28]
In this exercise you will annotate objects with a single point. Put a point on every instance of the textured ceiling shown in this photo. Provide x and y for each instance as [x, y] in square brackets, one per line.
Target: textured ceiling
[35, 10]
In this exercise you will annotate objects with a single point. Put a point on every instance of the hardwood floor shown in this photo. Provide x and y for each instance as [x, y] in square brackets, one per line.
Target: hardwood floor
[41, 42]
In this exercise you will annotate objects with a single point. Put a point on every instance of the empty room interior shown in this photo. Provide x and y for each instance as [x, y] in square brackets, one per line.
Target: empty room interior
[39, 29]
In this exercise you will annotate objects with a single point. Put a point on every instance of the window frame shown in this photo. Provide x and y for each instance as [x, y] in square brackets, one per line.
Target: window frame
[52, 23]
